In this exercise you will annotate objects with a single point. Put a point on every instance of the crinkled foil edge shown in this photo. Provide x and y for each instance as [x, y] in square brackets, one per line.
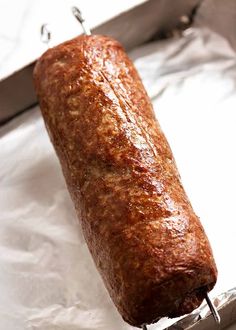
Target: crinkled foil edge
[203, 311]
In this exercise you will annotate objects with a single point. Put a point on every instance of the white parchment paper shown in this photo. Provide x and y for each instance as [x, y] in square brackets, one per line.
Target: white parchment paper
[47, 278]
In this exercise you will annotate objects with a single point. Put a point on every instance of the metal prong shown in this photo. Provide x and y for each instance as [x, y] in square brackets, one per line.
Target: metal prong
[45, 34]
[213, 309]
[144, 327]
[78, 15]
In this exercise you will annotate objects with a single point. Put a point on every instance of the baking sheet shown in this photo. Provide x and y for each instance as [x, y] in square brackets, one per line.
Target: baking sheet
[47, 277]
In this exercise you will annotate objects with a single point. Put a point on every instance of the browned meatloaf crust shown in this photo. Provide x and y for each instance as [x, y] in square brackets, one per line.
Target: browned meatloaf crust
[145, 239]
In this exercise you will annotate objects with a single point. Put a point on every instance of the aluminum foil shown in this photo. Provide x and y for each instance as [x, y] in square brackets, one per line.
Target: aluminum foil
[47, 278]
[202, 313]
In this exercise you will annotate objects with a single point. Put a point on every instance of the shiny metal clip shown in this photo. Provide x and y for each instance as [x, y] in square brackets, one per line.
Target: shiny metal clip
[45, 34]
[213, 309]
[78, 15]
